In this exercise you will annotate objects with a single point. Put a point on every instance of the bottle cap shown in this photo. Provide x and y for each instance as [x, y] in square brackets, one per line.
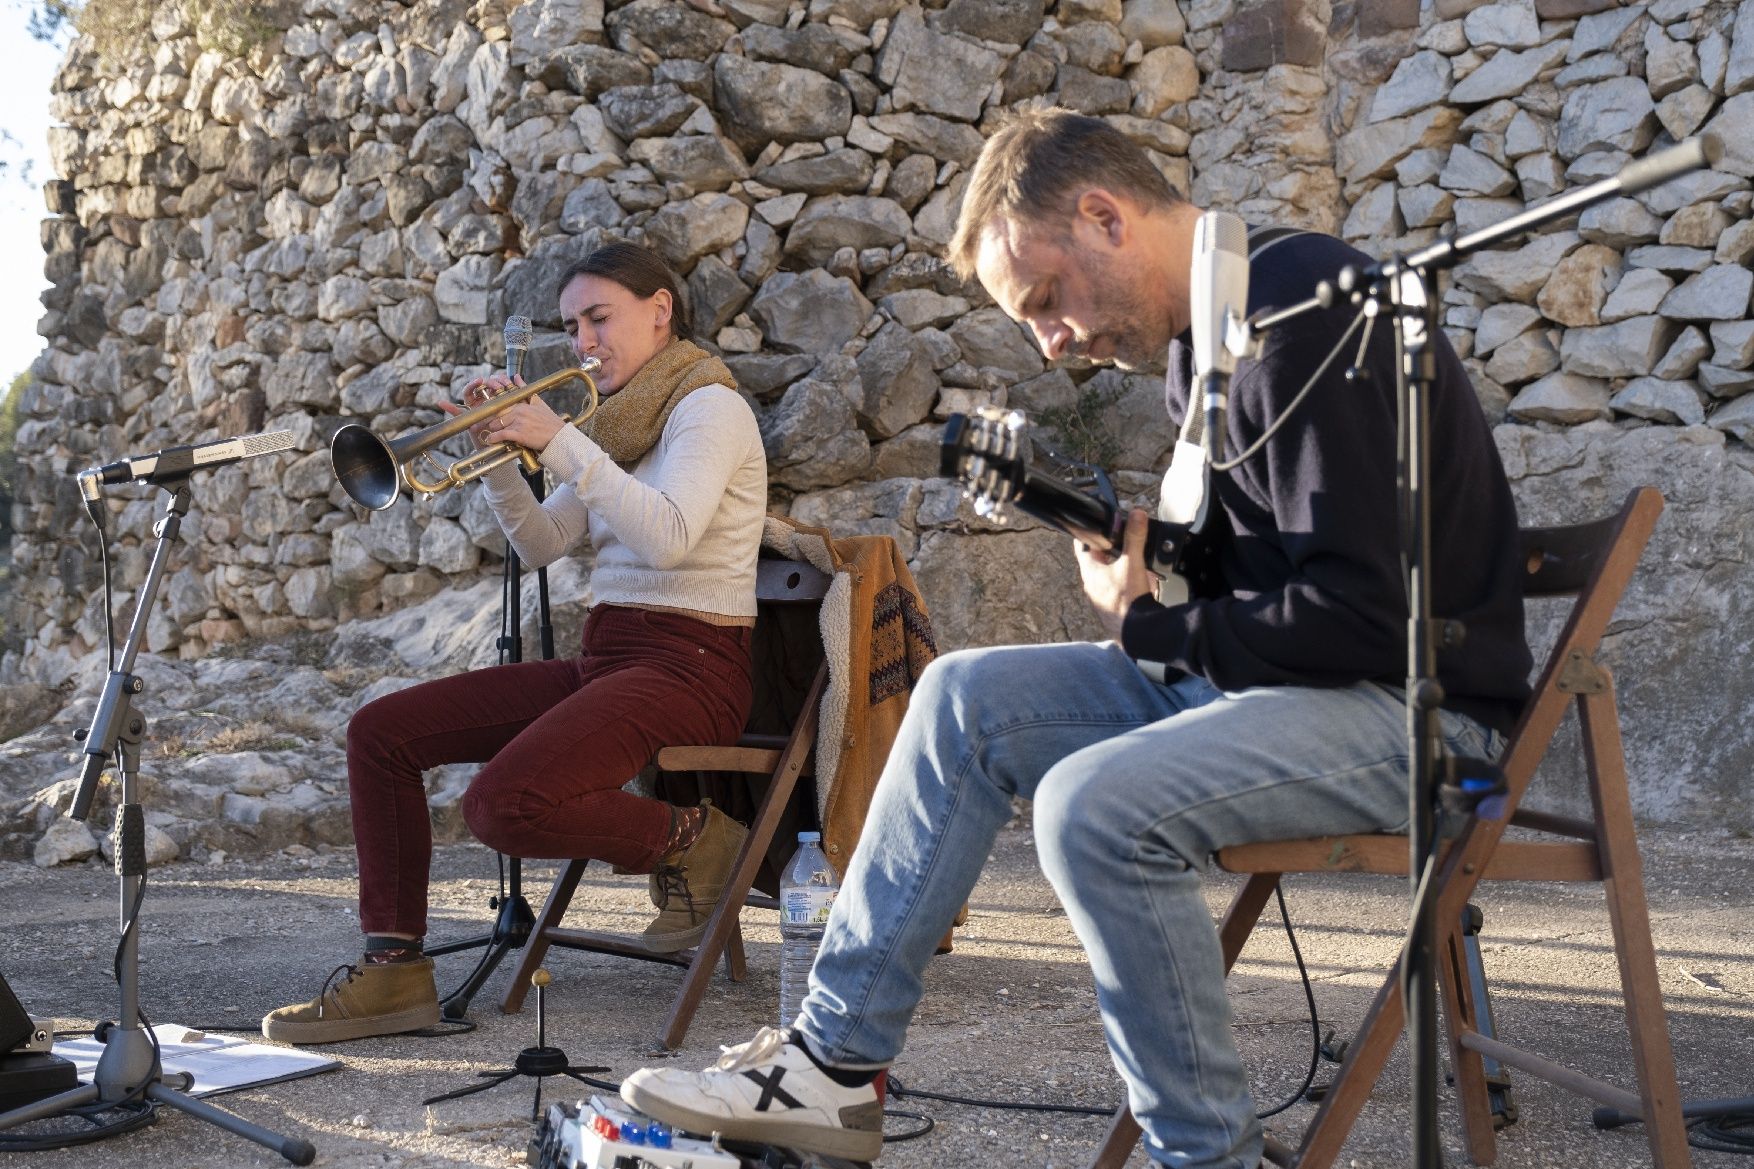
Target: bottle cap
[809, 837]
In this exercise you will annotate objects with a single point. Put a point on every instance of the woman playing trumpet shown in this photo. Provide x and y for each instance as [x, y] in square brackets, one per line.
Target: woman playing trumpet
[668, 482]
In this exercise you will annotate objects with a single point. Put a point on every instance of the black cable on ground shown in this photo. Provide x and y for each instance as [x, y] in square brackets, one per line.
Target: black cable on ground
[926, 1125]
[1731, 1133]
[900, 1091]
[1315, 1023]
[131, 1117]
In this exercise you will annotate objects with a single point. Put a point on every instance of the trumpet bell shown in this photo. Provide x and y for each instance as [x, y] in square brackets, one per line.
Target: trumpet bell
[366, 467]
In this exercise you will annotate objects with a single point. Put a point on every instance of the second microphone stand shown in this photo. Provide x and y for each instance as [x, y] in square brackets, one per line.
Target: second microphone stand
[1406, 288]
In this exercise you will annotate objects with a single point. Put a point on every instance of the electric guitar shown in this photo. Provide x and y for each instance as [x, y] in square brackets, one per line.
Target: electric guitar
[988, 453]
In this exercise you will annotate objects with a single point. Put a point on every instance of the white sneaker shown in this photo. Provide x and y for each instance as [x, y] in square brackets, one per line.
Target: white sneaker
[766, 1090]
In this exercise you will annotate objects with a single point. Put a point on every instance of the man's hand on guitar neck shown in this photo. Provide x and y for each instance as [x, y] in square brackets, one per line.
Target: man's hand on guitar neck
[1113, 582]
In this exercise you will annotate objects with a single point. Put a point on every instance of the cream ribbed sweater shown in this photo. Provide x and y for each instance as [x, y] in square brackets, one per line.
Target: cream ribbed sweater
[682, 530]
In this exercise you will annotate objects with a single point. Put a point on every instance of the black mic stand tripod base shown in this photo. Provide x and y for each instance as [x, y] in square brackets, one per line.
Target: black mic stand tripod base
[538, 1062]
[129, 1068]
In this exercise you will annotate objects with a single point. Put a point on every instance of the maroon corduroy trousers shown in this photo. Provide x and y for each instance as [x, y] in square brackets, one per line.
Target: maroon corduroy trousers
[558, 740]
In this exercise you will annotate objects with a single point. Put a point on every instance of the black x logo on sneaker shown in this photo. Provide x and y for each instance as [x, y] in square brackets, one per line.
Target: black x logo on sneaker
[771, 1090]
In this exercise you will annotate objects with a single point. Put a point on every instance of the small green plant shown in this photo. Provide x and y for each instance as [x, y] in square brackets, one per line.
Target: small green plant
[1082, 429]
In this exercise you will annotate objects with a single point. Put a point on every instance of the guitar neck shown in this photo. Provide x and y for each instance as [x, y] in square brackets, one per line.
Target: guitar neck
[1086, 518]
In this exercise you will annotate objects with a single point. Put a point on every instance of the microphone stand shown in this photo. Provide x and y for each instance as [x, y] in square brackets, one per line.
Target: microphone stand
[1406, 287]
[511, 929]
[129, 1069]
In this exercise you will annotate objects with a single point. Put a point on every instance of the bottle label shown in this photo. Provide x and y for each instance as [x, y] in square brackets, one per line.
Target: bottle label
[806, 904]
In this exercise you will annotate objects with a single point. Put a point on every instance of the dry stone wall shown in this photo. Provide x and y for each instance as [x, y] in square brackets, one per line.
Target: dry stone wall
[333, 228]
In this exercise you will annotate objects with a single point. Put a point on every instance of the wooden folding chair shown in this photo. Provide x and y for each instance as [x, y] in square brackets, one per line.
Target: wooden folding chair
[1593, 562]
[781, 585]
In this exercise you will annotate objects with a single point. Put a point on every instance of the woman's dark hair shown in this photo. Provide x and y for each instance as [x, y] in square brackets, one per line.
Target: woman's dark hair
[641, 272]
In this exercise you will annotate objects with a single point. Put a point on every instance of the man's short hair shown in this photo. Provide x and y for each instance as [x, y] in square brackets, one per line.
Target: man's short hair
[1037, 163]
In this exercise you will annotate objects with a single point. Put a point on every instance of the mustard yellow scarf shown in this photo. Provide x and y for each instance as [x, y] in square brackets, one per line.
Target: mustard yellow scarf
[628, 423]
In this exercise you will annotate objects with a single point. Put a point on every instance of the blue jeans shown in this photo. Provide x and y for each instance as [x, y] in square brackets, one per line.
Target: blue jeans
[1135, 785]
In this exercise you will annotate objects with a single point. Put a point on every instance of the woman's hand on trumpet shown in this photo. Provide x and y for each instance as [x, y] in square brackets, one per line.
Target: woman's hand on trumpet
[531, 424]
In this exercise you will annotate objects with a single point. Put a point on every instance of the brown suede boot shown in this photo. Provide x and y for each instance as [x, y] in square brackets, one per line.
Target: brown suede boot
[687, 887]
[373, 999]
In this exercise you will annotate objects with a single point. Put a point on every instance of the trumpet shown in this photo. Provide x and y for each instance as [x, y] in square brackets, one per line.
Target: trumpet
[371, 470]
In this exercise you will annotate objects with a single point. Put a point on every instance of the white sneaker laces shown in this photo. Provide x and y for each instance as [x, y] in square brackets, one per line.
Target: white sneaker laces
[759, 1050]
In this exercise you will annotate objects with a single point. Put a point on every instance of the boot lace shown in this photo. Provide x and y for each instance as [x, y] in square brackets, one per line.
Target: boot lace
[673, 882]
[323, 995]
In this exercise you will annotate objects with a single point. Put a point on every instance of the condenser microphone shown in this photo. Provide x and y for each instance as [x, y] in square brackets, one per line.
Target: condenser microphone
[1218, 292]
[517, 345]
[179, 462]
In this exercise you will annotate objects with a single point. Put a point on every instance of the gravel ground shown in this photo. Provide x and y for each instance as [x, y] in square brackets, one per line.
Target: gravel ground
[1010, 1015]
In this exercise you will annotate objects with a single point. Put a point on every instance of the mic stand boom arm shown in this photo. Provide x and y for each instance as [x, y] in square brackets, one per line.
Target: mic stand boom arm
[1405, 286]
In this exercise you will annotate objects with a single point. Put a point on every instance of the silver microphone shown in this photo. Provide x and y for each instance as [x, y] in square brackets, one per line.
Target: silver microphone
[1218, 292]
[179, 462]
[517, 345]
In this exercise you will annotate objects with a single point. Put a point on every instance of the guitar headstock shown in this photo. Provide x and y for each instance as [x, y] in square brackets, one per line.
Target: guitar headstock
[988, 453]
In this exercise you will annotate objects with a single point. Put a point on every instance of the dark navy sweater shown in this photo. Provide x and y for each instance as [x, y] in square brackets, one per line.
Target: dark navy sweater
[1303, 581]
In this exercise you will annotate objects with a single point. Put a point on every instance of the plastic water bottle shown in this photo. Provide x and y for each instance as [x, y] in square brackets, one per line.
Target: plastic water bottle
[807, 892]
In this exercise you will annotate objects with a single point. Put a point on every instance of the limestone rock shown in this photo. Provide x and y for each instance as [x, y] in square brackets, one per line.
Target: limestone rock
[1684, 355]
[63, 842]
[1510, 24]
[1617, 114]
[1470, 172]
[1419, 81]
[1507, 74]
[1722, 382]
[836, 221]
[1661, 401]
[1564, 398]
[762, 102]
[1012, 22]
[1639, 292]
[1580, 283]
[837, 172]
[1164, 77]
[1425, 205]
[1001, 588]
[810, 311]
[933, 72]
[991, 340]
[813, 437]
[1720, 293]
[1739, 71]
[933, 136]
[918, 308]
[682, 232]
[1500, 323]
[1518, 274]
[1152, 22]
[669, 30]
[1628, 348]
[25, 706]
[703, 162]
[898, 382]
[1737, 419]
[1372, 152]
[1733, 344]
[1523, 358]
[1265, 33]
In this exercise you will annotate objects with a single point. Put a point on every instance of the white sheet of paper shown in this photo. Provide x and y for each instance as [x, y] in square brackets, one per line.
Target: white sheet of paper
[218, 1063]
